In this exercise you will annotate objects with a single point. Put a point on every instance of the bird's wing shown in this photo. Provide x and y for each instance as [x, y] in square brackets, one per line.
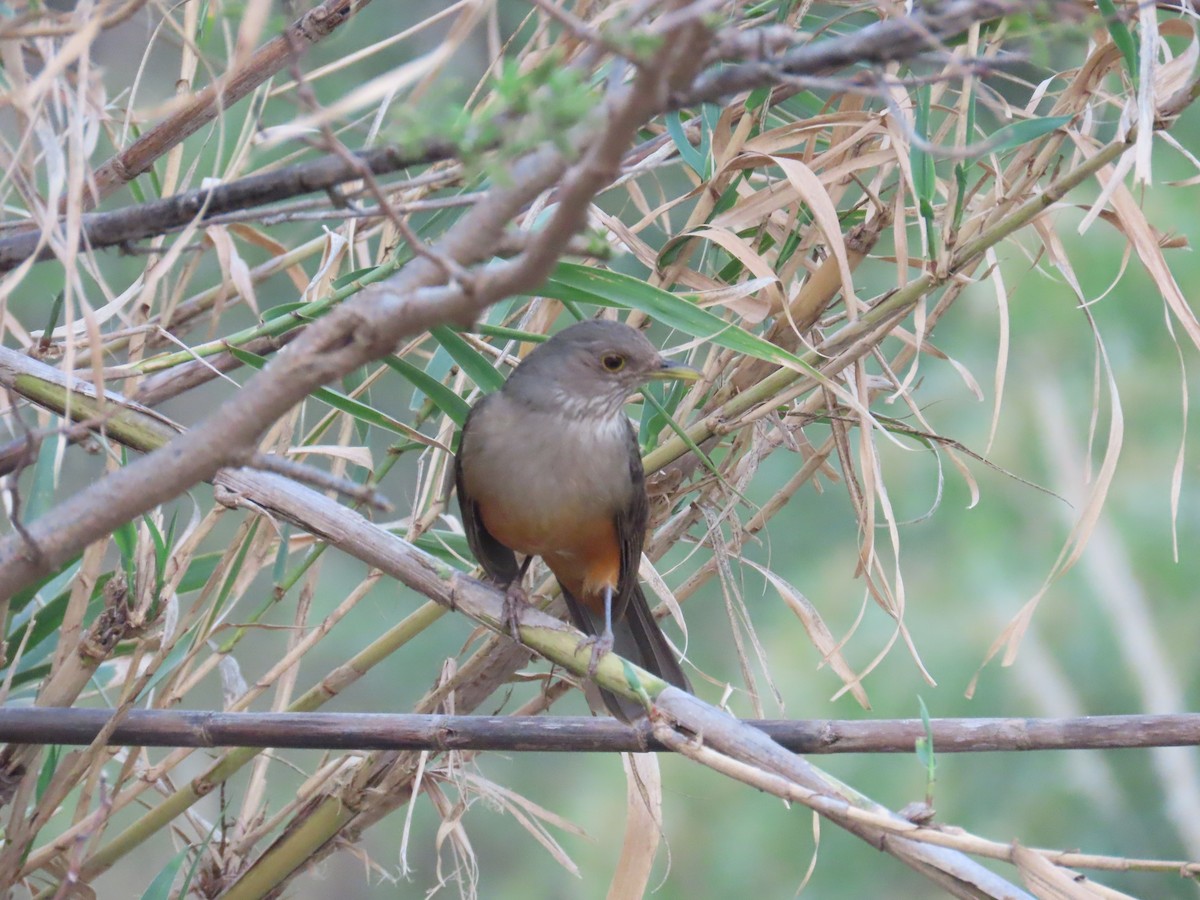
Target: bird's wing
[631, 526]
[498, 561]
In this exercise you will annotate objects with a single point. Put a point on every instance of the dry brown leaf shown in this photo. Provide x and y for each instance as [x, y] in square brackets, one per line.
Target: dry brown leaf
[359, 456]
[258, 238]
[818, 632]
[643, 826]
[233, 267]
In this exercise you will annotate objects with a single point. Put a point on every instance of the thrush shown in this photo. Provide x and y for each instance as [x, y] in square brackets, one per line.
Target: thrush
[549, 466]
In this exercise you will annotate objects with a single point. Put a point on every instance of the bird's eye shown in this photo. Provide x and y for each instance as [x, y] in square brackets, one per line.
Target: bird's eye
[614, 362]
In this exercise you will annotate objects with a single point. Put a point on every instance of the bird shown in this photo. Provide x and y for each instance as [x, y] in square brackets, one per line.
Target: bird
[549, 466]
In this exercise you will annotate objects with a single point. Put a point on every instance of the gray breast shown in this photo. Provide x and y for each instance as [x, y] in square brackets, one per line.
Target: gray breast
[534, 460]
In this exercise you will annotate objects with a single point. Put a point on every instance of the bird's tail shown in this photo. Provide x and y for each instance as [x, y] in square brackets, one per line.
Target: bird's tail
[637, 637]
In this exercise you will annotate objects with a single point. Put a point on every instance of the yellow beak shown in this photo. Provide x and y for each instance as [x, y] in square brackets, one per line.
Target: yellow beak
[674, 371]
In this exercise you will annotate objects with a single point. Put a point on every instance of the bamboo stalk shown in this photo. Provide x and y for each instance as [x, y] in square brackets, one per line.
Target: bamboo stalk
[579, 734]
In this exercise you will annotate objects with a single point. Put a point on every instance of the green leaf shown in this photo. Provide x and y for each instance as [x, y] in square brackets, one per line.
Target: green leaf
[689, 154]
[55, 311]
[342, 403]
[199, 570]
[511, 334]
[924, 173]
[125, 537]
[439, 395]
[757, 98]
[1017, 133]
[585, 284]
[447, 546]
[350, 277]
[474, 363]
[168, 665]
[47, 621]
[960, 169]
[47, 773]
[200, 855]
[282, 309]
[41, 495]
[160, 887]
[1121, 37]
[51, 585]
[924, 747]
[653, 426]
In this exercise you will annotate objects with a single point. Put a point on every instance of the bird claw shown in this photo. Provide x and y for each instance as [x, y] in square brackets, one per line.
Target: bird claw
[515, 601]
[600, 644]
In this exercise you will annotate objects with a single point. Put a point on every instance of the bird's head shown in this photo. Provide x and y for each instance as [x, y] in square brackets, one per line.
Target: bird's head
[589, 369]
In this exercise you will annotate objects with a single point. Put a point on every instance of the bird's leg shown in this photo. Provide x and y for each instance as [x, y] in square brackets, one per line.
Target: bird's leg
[602, 643]
[515, 601]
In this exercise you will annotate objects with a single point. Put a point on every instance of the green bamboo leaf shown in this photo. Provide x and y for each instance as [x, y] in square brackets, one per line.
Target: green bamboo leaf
[350, 277]
[125, 537]
[510, 334]
[199, 571]
[48, 619]
[1121, 36]
[50, 586]
[925, 753]
[41, 495]
[664, 418]
[960, 169]
[169, 665]
[1017, 133]
[339, 401]
[439, 395]
[51, 763]
[33, 678]
[924, 173]
[447, 546]
[474, 363]
[200, 855]
[282, 309]
[160, 887]
[689, 154]
[922, 162]
[55, 311]
[585, 284]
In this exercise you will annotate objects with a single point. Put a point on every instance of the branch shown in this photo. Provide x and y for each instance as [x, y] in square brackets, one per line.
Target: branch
[205, 105]
[578, 734]
[355, 535]
[365, 328]
[143, 220]
[890, 39]
[902, 37]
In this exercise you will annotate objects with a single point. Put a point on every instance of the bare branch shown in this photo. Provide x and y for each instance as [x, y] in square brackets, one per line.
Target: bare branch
[579, 734]
[902, 37]
[133, 223]
[204, 106]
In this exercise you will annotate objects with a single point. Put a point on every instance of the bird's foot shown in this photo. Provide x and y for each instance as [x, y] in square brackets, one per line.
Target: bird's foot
[515, 602]
[600, 644]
